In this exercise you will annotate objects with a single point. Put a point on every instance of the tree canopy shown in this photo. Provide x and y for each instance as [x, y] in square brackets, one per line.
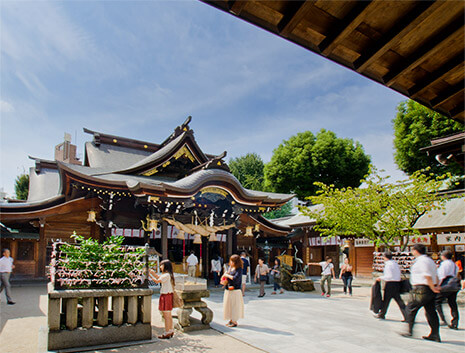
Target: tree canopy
[380, 211]
[414, 127]
[284, 211]
[22, 186]
[248, 170]
[305, 158]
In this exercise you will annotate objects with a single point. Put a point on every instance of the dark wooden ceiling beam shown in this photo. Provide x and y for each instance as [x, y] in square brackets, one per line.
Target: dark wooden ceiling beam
[399, 30]
[460, 108]
[294, 14]
[433, 77]
[236, 7]
[424, 51]
[350, 22]
[447, 94]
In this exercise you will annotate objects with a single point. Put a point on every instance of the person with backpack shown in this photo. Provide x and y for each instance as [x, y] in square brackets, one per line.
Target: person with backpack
[261, 275]
[447, 272]
[327, 270]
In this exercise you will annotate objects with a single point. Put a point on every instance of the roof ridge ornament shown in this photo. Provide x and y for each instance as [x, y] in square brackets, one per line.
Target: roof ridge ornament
[184, 127]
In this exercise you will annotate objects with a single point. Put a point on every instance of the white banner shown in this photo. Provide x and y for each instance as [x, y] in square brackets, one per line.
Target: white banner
[451, 239]
[319, 241]
[363, 243]
[419, 239]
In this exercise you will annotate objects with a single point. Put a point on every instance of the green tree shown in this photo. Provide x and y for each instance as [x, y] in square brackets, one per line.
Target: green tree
[248, 170]
[284, 211]
[380, 211]
[22, 186]
[303, 159]
[414, 127]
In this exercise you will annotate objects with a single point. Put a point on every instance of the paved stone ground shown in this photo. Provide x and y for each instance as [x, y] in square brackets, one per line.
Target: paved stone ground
[304, 322]
[292, 322]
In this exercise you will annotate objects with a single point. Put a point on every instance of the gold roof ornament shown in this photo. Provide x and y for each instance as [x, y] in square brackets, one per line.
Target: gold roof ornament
[150, 225]
[92, 216]
[248, 231]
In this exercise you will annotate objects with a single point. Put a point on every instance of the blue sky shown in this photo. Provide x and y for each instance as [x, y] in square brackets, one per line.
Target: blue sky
[139, 68]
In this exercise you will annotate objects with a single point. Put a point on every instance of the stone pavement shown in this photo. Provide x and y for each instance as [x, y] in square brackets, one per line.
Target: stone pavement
[306, 322]
[291, 322]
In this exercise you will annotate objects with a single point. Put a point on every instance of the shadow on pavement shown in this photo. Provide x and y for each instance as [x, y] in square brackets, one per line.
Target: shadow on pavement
[27, 304]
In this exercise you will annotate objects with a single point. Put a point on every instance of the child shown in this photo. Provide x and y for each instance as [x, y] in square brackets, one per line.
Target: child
[165, 304]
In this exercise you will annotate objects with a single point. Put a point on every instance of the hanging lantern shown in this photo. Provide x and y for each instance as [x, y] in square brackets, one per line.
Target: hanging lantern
[153, 225]
[248, 231]
[213, 237]
[197, 239]
[92, 216]
[180, 235]
[257, 228]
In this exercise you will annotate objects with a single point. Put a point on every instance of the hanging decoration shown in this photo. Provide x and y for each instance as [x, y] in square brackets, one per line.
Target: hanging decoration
[213, 237]
[248, 231]
[150, 225]
[197, 239]
[92, 216]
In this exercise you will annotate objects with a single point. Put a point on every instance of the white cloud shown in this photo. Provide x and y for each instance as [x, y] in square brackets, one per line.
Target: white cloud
[6, 107]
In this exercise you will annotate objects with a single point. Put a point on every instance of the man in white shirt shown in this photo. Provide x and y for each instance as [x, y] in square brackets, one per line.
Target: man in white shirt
[6, 267]
[327, 268]
[446, 271]
[192, 262]
[391, 278]
[424, 279]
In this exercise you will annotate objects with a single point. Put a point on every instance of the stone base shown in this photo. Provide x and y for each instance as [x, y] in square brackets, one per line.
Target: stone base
[95, 336]
[195, 325]
[302, 285]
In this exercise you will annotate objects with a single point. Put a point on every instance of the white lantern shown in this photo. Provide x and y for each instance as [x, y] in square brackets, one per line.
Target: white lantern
[197, 239]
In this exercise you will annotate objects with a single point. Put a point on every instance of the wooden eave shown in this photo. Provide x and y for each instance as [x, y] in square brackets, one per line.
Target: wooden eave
[266, 227]
[166, 190]
[414, 47]
[46, 210]
[100, 137]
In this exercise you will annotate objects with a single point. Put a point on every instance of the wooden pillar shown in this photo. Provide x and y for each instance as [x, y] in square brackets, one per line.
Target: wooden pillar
[204, 258]
[42, 253]
[164, 239]
[234, 242]
[229, 244]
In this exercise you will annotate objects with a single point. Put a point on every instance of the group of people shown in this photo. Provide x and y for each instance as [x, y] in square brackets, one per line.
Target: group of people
[430, 288]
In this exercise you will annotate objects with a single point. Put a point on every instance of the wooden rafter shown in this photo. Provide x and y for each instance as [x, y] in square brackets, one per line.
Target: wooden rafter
[447, 94]
[422, 53]
[413, 18]
[345, 26]
[460, 108]
[296, 12]
[433, 77]
[236, 7]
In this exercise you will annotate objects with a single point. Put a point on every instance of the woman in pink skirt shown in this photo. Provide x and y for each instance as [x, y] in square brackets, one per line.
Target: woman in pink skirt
[165, 303]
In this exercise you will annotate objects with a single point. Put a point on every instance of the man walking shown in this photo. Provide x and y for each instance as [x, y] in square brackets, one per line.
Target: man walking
[326, 272]
[192, 262]
[446, 271]
[6, 267]
[424, 279]
[245, 267]
[391, 278]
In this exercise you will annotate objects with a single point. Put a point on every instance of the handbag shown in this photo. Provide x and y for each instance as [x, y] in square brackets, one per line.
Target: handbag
[177, 301]
[405, 286]
[450, 285]
[223, 281]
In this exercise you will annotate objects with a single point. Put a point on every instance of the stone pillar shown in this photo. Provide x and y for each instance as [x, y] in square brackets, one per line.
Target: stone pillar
[54, 307]
[117, 304]
[87, 312]
[132, 310]
[164, 239]
[71, 313]
[146, 309]
[102, 316]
